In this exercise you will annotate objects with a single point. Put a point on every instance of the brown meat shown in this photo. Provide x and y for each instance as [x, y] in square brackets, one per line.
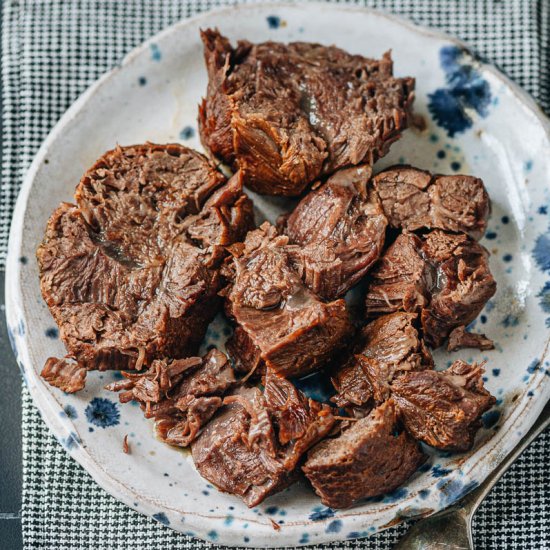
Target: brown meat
[461, 338]
[368, 459]
[386, 347]
[340, 228]
[444, 277]
[125, 274]
[64, 374]
[279, 320]
[443, 409]
[181, 395]
[414, 199]
[288, 114]
[251, 448]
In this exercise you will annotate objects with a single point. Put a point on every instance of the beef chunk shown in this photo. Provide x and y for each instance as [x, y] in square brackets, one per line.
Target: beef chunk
[181, 395]
[445, 277]
[287, 114]
[443, 409]
[63, 374]
[251, 448]
[386, 347]
[413, 199]
[132, 273]
[340, 228]
[280, 323]
[368, 459]
[461, 338]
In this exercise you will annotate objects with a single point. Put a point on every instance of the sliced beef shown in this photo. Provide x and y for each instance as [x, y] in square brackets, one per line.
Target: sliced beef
[280, 323]
[414, 199]
[64, 374]
[461, 338]
[251, 448]
[368, 459]
[131, 273]
[340, 228]
[443, 409]
[287, 114]
[386, 347]
[444, 277]
[181, 395]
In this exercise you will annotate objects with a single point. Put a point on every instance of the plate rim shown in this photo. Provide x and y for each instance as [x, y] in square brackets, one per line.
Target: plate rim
[14, 309]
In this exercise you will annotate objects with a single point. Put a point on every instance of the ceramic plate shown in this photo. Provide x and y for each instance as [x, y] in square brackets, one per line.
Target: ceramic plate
[478, 122]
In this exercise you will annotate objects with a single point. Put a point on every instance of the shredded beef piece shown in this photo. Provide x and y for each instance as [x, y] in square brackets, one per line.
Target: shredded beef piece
[252, 446]
[280, 322]
[340, 228]
[131, 273]
[443, 409]
[444, 277]
[414, 199]
[460, 338]
[368, 459]
[64, 374]
[287, 114]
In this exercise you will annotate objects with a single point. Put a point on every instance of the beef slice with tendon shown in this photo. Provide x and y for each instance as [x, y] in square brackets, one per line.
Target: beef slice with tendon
[444, 277]
[281, 324]
[415, 199]
[443, 409]
[181, 395]
[252, 446]
[123, 272]
[287, 114]
[385, 348]
[370, 458]
[340, 228]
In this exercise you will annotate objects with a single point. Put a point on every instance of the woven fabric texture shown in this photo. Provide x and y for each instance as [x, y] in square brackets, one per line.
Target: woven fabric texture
[52, 50]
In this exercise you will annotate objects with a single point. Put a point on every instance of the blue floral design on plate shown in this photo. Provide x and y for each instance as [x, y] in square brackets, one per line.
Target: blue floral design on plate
[465, 89]
[103, 413]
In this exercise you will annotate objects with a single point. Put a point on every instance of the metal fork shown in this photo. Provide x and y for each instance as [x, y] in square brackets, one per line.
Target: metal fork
[452, 528]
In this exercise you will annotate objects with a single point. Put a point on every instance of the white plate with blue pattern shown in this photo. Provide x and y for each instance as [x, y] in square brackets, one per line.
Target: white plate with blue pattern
[478, 122]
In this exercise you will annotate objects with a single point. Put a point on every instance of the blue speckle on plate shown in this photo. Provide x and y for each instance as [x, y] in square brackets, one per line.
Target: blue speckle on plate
[439, 471]
[156, 54]
[246, 539]
[455, 490]
[304, 539]
[334, 526]
[161, 518]
[398, 494]
[533, 366]
[52, 332]
[541, 252]
[228, 519]
[455, 166]
[23, 260]
[530, 393]
[543, 210]
[490, 418]
[441, 154]
[507, 257]
[103, 413]
[491, 235]
[187, 133]
[528, 165]
[273, 21]
[71, 441]
[511, 320]
[205, 493]
[483, 319]
[319, 513]
[69, 412]
[142, 81]
[465, 89]
[496, 372]
[271, 510]
[505, 220]
[423, 494]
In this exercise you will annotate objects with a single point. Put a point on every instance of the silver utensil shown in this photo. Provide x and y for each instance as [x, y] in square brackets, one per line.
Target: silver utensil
[451, 529]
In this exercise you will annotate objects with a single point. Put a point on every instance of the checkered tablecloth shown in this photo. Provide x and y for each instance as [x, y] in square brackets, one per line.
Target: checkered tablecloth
[52, 50]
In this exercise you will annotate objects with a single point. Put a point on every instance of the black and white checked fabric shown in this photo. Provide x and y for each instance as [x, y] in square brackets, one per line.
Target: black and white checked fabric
[52, 50]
